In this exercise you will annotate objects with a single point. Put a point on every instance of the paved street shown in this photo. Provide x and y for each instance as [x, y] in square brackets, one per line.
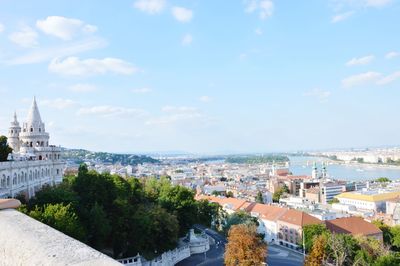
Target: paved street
[277, 255]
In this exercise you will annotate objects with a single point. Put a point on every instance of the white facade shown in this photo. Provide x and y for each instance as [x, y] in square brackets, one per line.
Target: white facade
[269, 229]
[34, 163]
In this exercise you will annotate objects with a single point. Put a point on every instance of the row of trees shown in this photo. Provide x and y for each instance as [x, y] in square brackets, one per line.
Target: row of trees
[343, 249]
[121, 217]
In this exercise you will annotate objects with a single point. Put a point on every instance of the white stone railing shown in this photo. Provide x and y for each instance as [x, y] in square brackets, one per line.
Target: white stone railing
[25, 241]
[24, 164]
[168, 258]
[198, 244]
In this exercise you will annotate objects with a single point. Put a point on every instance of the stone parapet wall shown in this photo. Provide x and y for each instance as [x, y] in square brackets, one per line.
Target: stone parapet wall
[25, 241]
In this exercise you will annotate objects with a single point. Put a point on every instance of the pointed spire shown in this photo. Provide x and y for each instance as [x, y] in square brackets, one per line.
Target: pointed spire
[15, 117]
[34, 115]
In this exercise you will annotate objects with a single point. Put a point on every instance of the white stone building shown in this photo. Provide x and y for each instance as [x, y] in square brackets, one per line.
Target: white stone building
[33, 163]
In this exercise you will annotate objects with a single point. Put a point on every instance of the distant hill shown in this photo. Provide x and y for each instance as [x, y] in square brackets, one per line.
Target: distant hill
[81, 155]
[257, 159]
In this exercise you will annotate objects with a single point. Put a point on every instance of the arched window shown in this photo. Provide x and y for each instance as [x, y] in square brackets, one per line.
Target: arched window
[31, 129]
[40, 130]
[40, 157]
[12, 131]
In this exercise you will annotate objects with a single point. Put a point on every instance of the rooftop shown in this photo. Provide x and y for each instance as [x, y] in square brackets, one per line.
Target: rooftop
[352, 225]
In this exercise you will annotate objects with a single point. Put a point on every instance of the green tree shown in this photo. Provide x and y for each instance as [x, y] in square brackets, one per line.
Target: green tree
[277, 194]
[342, 249]
[386, 231]
[383, 180]
[392, 259]
[5, 150]
[334, 200]
[259, 197]
[318, 252]
[60, 217]
[99, 227]
[362, 258]
[310, 232]
[229, 194]
[239, 217]
[206, 212]
[180, 201]
[395, 233]
[61, 194]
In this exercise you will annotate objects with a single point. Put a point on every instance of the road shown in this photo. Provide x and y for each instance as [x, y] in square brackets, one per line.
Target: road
[277, 255]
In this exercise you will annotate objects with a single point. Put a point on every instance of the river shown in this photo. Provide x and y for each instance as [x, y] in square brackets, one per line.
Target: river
[359, 172]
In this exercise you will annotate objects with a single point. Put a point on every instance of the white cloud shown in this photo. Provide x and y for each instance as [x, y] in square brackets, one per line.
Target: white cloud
[142, 90]
[64, 28]
[205, 99]
[73, 66]
[361, 79]
[321, 95]
[389, 78]
[265, 8]
[2, 28]
[258, 31]
[360, 61]
[81, 87]
[59, 103]
[392, 55]
[187, 39]
[342, 16]
[182, 14]
[174, 114]
[111, 111]
[150, 6]
[44, 54]
[26, 37]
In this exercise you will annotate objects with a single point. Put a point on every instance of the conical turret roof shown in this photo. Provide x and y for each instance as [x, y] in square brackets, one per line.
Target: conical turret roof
[34, 115]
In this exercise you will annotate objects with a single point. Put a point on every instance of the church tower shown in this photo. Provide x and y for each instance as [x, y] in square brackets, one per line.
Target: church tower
[314, 173]
[13, 134]
[324, 171]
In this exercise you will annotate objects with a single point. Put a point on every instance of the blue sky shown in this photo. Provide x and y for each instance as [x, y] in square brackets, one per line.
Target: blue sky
[204, 76]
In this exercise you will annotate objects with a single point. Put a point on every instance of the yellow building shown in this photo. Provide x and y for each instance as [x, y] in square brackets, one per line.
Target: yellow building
[374, 200]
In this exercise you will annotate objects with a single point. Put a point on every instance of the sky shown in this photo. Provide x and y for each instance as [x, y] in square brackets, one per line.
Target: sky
[204, 76]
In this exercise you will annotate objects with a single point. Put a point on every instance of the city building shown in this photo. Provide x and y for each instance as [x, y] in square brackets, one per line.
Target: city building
[373, 199]
[33, 163]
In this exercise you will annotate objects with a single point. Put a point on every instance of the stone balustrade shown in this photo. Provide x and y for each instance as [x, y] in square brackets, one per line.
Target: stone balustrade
[25, 241]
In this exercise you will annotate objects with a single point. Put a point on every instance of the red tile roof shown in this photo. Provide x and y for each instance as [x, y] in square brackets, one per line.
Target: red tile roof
[352, 225]
[266, 212]
[298, 218]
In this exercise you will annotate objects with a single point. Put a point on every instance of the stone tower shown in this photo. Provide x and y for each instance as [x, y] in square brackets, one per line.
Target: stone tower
[34, 136]
[13, 134]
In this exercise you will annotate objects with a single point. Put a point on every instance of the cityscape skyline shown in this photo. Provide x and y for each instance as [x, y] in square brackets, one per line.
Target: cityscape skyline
[190, 76]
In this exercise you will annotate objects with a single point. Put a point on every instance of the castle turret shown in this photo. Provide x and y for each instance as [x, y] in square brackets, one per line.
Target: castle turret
[13, 134]
[33, 133]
